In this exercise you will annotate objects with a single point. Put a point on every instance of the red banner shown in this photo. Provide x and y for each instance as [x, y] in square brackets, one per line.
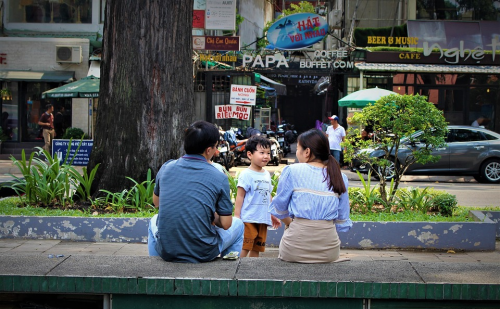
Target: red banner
[199, 19]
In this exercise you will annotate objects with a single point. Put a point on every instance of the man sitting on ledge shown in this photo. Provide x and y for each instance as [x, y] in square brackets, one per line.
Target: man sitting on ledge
[194, 223]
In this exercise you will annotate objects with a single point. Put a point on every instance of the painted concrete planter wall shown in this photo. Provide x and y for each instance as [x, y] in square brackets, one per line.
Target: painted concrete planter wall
[75, 228]
[469, 236]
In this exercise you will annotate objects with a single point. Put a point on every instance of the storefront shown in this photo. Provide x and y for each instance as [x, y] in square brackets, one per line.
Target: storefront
[213, 89]
[456, 65]
[463, 93]
[30, 66]
[21, 112]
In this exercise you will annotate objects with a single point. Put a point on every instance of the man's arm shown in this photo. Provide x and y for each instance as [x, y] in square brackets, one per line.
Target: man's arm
[156, 200]
[41, 123]
[223, 221]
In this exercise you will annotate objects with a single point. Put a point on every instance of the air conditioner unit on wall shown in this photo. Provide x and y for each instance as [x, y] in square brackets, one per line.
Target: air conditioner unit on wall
[68, 54]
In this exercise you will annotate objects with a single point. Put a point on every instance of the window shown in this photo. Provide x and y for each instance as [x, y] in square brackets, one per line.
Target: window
[489, 137]
[50, 11]
[457, 10]
[463, 135]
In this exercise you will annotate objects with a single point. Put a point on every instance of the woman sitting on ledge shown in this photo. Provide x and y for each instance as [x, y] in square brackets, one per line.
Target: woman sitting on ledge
[313, 202]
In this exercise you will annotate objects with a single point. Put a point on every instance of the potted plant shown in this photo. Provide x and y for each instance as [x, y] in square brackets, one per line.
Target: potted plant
[6, 94]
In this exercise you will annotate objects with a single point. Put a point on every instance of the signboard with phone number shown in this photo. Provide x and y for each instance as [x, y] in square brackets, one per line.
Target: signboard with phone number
[60, 149]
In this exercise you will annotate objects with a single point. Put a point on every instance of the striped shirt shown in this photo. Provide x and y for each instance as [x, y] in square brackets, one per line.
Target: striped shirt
[303, 193]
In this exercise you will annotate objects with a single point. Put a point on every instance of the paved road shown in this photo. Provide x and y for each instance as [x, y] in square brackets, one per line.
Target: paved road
[468, 191]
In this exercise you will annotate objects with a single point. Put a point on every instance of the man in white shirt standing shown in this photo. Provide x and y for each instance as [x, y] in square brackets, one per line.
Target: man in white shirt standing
[336, 135]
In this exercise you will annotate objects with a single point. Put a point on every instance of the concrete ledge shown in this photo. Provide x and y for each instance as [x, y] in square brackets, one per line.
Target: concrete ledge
[75, 228]
[262, 277]
[466, 236]
[487, 216]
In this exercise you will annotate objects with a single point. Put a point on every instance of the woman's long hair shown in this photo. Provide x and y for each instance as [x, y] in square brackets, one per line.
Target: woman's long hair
[319, 146]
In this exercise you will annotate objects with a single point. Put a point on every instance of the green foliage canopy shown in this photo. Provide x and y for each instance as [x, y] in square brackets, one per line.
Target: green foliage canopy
[393, 118]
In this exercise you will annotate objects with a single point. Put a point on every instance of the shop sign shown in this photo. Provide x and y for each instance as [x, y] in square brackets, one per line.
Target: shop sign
[60, 149]
[410, 56]
[297, 31]
[304, 64]
[200, 5]
[454, 55]
[242, 94]
[296, 79]
[323, 58]
[216, 43]
[266, 62]
[391, 40]
[3, 58]
[199, 19]
[220, 15]
[218, 57]
[330, 54]
[232, 112]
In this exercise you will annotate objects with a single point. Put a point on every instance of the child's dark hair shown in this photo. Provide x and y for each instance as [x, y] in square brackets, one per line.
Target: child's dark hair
[256, 140]
[319, 146]
[199, 136]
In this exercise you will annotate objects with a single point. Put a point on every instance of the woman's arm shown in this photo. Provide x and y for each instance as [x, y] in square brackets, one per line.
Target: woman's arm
[281, 201]
[344, 223]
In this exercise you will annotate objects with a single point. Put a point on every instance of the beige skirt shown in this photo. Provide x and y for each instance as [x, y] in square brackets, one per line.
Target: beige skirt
[310, 241]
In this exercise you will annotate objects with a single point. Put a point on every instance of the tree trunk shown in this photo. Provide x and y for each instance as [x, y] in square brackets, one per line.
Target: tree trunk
[146, 96]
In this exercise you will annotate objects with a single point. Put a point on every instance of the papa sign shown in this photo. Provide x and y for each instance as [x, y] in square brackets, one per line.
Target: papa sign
[297, 31]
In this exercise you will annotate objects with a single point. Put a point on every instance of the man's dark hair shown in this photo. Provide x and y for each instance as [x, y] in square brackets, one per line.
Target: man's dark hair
[48, 106]
[256, 140]
[199, 136]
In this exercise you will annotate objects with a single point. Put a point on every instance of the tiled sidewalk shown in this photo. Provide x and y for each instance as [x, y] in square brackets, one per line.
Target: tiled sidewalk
[58, 247]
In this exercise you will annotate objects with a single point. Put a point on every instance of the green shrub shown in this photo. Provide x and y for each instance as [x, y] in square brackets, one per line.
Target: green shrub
[415, 199]
[136, 199]
[446, 203]
[49, 182]
[74, 133]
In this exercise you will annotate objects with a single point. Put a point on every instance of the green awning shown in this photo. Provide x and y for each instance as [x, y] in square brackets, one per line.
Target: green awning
[87, 87]
[38, 76]
[362, 98]
[257, 77]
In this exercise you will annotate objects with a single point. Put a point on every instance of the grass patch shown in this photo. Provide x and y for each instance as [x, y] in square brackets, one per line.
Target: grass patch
[10, 207]
[460, 215]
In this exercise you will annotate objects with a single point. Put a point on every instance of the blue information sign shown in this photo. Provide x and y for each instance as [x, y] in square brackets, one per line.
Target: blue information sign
[60, 148]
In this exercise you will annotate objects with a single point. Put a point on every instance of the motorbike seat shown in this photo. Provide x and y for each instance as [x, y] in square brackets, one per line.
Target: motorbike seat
[239, 143]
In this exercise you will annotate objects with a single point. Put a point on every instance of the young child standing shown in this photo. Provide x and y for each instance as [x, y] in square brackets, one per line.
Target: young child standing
[254, 196]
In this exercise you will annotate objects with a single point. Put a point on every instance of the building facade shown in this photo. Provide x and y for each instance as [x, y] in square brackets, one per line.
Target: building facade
[45, 44]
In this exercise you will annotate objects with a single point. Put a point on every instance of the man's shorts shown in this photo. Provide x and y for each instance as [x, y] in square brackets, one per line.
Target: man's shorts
[255, 237]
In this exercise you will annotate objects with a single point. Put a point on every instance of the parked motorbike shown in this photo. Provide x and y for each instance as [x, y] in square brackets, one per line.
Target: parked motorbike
[283, 143]
[240, 154]
[276, 152]
[290, 133]
[224, 156]
[238, 148]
